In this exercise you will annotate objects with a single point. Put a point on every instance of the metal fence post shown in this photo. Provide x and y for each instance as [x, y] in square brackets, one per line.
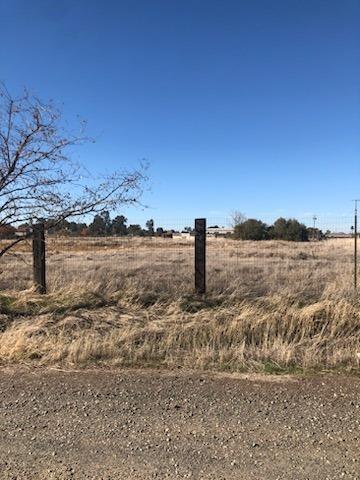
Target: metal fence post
[355, 250]
[200, 255]
[39, 259]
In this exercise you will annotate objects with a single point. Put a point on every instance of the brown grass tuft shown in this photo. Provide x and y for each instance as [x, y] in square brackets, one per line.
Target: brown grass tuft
[271, 306]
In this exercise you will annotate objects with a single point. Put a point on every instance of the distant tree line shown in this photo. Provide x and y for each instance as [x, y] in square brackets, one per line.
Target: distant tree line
[102, 225]
[282, 229]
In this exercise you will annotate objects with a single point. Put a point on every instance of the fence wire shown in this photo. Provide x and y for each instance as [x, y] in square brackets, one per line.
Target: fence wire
[258, 268]
[149, 267]
[16, 266]
[136, 265]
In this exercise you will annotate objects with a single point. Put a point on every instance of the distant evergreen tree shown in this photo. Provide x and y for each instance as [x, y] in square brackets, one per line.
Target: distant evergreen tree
[251, 229]
[150, 226]
[101, 225]
[291, 230]
[279, 229]
[118, 226]
[296, 231]
[135, 230]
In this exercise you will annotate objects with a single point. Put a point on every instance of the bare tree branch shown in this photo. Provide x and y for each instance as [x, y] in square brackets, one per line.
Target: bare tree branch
[237, 218]
[38, 178]
[15, 242]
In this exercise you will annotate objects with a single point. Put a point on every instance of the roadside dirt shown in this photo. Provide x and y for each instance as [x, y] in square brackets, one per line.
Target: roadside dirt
[149, 424]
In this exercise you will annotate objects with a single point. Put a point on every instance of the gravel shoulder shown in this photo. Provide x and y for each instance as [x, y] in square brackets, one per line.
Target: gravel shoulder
[129, 424]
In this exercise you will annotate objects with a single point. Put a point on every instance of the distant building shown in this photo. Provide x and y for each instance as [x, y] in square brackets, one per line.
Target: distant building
[22, 231]
[167, 235]
[183, 235]
[339, 235]
[219, 231]
[7, 231]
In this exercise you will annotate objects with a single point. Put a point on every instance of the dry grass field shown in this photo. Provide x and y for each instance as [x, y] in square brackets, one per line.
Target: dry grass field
[270, 305]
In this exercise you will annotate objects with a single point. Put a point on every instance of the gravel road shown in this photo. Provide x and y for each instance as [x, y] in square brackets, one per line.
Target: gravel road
[149, 424]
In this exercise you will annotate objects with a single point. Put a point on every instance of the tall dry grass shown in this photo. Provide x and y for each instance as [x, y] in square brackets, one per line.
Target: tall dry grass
[270, 305]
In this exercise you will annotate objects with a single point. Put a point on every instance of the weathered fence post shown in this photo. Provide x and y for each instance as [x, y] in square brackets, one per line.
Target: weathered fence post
[39, 257]
[200, 255]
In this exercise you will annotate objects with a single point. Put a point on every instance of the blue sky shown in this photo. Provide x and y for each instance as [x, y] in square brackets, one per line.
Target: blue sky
[250, 105]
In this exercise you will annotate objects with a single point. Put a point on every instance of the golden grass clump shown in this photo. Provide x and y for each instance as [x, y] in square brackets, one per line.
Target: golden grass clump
[270, 306]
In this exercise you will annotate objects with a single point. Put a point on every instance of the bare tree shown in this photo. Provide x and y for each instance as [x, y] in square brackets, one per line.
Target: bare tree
[237, 218]
[38, 178]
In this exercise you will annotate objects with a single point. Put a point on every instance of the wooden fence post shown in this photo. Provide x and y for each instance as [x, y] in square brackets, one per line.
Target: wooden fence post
[200, 255]
[39, 259]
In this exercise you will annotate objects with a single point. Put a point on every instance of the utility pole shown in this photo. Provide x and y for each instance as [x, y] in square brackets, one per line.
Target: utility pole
[314, 220]
[355, 243]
